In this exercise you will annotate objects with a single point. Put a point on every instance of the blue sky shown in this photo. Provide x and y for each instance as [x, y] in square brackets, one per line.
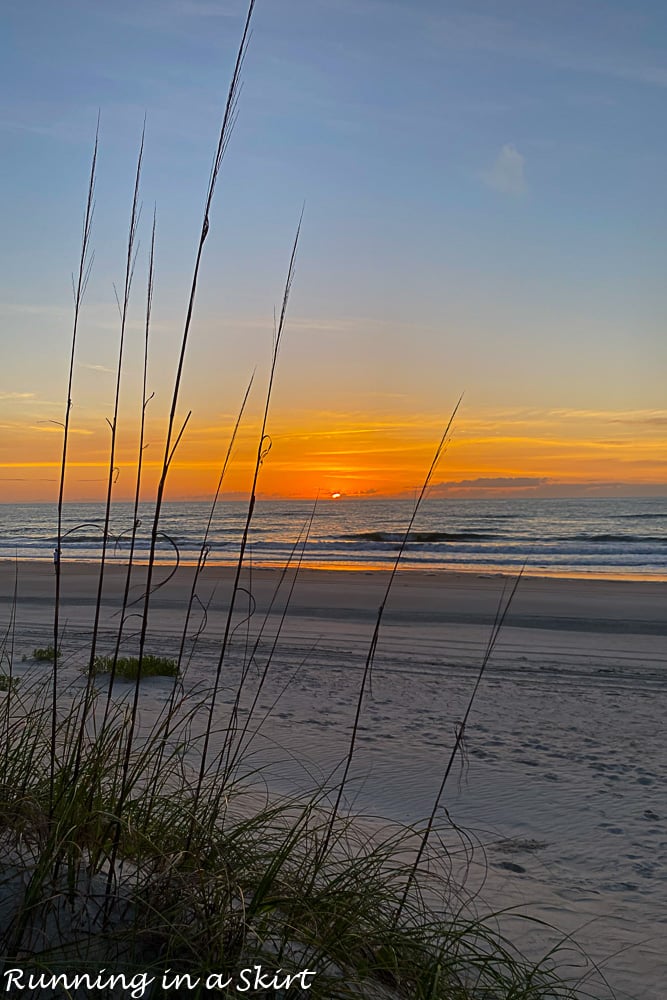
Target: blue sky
[485, 209]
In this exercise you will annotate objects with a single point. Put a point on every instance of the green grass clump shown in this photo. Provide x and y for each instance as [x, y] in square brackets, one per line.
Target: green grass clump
[46, 654]
[128, 666]
[8, 683]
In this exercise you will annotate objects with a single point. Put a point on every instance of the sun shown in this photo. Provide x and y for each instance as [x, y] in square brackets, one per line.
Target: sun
[336, 496]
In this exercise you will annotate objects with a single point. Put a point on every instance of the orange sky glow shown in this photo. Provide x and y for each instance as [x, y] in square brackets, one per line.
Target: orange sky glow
[499, 454]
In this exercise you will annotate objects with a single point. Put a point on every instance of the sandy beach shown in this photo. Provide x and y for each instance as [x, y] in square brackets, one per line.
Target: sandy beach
[563, 778]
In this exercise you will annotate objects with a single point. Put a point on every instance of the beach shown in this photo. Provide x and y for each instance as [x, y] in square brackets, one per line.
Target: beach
[562, 778]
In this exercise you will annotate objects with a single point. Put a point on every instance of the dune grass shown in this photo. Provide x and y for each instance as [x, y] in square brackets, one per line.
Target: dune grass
[144, 846]
[240, 881]
[129, 668]
[45, 654]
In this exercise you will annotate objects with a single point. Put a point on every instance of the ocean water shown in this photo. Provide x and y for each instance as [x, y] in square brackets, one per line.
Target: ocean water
[602, 537]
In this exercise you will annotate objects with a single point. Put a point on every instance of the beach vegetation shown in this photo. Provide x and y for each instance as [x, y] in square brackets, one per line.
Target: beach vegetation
[45, 654]
[228, 880]
[130, 668]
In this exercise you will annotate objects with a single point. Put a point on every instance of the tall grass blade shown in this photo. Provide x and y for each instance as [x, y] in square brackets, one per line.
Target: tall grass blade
[140, 457]
[501, 615]
[223, 140]
[262, 449]
[113, 423]
[370, 658]
[79, 289]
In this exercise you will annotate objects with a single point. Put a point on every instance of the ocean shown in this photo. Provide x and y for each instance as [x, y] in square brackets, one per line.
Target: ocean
[620, 537]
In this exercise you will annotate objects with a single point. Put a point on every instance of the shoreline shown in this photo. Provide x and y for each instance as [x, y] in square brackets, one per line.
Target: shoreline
[407, 578]
[436, 608]
[366, 568]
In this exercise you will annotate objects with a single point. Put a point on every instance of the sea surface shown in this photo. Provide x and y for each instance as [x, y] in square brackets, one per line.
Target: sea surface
[624, 537]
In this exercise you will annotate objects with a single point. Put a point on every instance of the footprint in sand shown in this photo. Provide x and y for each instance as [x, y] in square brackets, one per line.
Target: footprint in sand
[510, 866]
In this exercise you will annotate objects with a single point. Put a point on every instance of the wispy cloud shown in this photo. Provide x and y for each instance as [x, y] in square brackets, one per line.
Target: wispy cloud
[507, 173]
[641, 417]
[649, 419]
[201, 8]
[101, 315]
[58, 427]
[97, 368]
[53, 129]
[25, 479]
[495, 482]
[17, 395]
[170, 15]
[547, 487]
[615, 56]
[318, 324]
[34, 309]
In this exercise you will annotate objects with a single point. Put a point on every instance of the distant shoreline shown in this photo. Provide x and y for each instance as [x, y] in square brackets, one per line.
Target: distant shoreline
[432, 592]
[379, 568]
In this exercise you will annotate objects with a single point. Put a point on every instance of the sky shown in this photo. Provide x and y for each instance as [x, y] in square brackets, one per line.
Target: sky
[484, 216]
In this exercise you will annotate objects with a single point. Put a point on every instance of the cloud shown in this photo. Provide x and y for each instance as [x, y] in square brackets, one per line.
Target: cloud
[543, 487]
[98, 368]
[30, 309]
[169, 15]
[200, 8]
[54, 425]
[657, 419]
[17, 395]
[495, 482]
[507, 174]
[515, 37]
[614, 416]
